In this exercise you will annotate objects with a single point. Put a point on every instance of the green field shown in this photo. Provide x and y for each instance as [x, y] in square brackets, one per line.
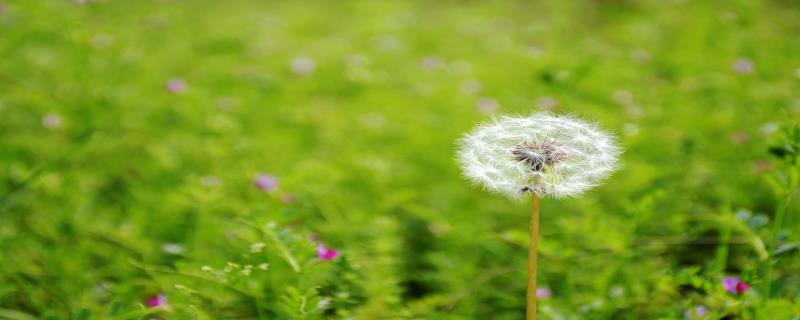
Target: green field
[131, 133]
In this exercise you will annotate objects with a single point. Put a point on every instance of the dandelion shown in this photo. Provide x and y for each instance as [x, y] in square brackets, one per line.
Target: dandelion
[550, 156]
[265, 182]
[175, 85]
[735, 285]
[159, 300]
[542, 154]
[326, 254]
[695, 312]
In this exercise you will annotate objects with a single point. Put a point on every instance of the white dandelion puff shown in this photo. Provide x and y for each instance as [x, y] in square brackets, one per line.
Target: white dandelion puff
[549, 155]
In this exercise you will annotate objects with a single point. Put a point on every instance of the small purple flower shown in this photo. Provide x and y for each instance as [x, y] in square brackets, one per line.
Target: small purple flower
[51, 121]
[743, 66]
[303, 65]
[176, 85]
[266, 182]
[326, 254]
[698, 311]
[159, 300]
[734, 285]
[543, 293]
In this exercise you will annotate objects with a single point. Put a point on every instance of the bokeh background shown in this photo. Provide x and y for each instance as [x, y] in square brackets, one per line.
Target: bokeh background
[185, 159]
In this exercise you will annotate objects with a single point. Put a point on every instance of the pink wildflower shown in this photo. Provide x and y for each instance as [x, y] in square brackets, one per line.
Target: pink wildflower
[159, 300]
[743, 66]
[326, 254]
[266, 182]
[176, 85]
[543, 293]
[734, 285]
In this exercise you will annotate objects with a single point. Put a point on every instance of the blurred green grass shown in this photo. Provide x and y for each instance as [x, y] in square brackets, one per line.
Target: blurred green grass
[365, 142]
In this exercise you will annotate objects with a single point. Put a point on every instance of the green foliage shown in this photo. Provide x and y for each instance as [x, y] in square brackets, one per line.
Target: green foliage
[115, 188]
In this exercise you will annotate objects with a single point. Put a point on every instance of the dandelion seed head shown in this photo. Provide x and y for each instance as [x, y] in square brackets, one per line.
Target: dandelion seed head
[552, 156]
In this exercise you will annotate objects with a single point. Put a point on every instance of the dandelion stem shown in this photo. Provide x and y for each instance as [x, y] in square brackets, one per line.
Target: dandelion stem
[532, 252]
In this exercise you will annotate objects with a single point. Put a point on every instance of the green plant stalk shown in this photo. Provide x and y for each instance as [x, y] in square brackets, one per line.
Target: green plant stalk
[773, 245]
[721, 257]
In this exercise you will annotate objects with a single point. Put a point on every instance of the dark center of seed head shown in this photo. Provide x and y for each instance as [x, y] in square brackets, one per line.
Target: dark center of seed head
[538, 155]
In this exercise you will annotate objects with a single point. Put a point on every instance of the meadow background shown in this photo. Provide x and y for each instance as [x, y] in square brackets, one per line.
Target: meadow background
[132, 132]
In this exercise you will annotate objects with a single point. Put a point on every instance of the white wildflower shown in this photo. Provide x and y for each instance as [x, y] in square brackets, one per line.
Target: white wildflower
[552, 156]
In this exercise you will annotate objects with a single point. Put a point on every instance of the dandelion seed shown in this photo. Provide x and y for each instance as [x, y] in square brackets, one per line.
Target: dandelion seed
[51, 121]
[265, 182]
[326, 254]
[551, 156]
[743, 66]
[176, 85]
[159, 300]
[543, 293]
[303, 66]
[735, 285]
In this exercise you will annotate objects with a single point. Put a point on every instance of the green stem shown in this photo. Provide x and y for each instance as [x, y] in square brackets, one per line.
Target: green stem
[721, 259]
[780, 213]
